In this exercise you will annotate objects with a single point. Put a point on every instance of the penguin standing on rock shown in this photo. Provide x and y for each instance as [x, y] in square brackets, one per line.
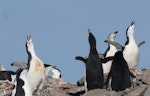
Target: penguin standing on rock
[36, 71]
[106, 63]
[119, 73]
[131, 50]
[94, 72]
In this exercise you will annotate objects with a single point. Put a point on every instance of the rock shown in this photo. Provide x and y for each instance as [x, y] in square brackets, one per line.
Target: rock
[56, 87]
[81, 81]
[145, 76]
[5, 89]
[97, 92]
[147, 92]
[59, 87]
[137, 91]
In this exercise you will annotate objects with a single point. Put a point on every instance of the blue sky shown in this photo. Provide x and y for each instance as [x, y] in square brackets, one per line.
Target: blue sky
[59, 30]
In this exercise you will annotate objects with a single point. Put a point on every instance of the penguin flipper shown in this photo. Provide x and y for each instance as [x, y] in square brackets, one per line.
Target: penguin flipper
[19, 64]
[81, 59]
[117, 45]
[141, 43]
[107, 59]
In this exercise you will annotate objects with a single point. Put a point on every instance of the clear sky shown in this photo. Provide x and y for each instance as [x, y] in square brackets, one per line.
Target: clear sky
[59, 30]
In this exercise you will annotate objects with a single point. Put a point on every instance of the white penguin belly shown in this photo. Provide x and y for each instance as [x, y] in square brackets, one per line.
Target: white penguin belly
[35, 76]
[26, 86]
[131, 55]
[107, 66]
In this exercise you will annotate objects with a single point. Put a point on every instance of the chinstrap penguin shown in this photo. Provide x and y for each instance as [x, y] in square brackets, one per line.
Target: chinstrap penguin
[56, 73]
[36, 71]
[119, 73]
[131, 50]
[94, 72]
[106, 63]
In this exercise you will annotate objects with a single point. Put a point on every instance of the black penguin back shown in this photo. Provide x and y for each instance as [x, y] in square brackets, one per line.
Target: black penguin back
[120, 73]
[94, 71]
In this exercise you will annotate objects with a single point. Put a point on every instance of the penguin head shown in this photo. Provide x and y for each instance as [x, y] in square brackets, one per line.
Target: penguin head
[118, 58]
[130, 29]
[112, 36]
[118, 55]
[29, 44]
[92, 40]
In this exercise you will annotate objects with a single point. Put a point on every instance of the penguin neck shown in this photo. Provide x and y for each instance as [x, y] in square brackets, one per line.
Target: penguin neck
[93, 50]
[111, 47]
[131, 38]
[112, 39]
[93, 47]
[32, 53]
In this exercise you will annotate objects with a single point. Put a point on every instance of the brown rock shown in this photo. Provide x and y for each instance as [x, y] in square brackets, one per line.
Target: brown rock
[58, 87]
[97, 92]
[147, 92]
[6, 89]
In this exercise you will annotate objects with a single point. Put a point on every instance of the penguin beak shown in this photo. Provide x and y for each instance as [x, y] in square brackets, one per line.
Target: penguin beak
[28, 37]
[116, 32]
[132, 23]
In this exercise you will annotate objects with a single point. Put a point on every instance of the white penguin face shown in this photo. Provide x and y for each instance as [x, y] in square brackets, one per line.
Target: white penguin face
[29, 44]
[130, 30]
[112, 36]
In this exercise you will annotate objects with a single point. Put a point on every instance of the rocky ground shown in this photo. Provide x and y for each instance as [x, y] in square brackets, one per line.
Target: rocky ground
[58, 87]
